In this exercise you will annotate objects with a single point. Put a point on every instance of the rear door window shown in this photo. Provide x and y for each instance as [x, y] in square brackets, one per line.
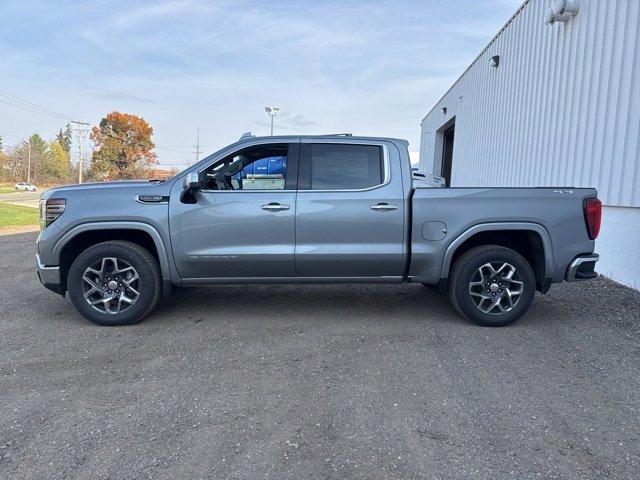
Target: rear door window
[345, 166]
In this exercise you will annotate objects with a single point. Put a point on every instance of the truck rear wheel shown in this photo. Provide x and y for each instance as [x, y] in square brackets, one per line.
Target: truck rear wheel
[492, 286]
[114, 283]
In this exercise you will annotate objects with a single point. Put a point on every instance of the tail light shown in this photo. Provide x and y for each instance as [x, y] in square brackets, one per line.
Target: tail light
[593, 216]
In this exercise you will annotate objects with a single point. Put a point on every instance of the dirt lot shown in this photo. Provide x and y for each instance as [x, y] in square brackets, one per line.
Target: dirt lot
[306, 382]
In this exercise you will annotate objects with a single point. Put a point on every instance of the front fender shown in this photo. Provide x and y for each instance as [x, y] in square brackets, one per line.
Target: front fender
[166, 268]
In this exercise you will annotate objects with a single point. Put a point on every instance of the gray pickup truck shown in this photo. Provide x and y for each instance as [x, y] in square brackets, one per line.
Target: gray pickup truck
[312, 209]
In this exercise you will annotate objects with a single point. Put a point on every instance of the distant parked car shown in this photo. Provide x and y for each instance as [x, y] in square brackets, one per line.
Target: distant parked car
[25, 187]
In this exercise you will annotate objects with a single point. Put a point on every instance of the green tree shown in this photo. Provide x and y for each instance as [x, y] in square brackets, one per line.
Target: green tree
[39, 154]
[38, 145]
[64, 139]
[55, 164]
[124, 148]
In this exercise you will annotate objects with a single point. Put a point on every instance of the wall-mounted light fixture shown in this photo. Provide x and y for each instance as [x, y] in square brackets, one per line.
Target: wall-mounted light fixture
[494, 61]
[562, 12]
[443, 110]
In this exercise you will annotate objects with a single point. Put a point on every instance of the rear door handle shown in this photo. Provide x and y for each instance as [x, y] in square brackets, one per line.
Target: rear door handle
[384, 207]
[275, 207]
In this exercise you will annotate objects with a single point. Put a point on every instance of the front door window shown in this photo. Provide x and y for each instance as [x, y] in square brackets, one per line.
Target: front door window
[263, 167]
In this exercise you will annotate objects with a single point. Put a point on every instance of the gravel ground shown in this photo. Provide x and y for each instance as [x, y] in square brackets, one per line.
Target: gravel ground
[306, 382]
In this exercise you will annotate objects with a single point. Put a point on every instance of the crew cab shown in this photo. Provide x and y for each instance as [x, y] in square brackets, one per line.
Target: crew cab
[312, 209]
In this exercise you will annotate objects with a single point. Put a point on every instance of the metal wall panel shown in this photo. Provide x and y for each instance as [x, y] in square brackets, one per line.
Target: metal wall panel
[562, 107]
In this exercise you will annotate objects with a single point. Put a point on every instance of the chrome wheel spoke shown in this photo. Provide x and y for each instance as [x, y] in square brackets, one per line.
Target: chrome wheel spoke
[495, 301]
[125, 270]
[509, 298]
[510, 273]
[480, 295]
[92, 283]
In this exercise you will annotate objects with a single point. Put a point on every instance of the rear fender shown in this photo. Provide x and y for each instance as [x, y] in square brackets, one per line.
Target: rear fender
[497, 226]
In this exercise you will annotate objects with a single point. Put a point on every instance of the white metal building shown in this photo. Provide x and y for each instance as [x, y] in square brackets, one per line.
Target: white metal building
[553, 104]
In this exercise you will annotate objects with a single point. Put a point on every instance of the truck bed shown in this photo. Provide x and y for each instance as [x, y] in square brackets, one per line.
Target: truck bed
[443, 218]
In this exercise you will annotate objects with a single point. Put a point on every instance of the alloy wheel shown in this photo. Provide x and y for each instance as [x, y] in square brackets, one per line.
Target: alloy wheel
[110, 285]
[496, 288]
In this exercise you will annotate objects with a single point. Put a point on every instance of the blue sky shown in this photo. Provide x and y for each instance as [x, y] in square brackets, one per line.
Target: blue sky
[346, 66]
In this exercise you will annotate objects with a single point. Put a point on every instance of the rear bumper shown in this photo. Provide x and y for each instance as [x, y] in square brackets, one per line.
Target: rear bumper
[49, 276]
[582, 268]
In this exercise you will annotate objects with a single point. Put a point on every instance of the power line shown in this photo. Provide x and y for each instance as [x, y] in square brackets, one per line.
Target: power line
[32, 110]
[172, 149]
[15, 101]
[2, 134]
[184, 145]
[15, 98]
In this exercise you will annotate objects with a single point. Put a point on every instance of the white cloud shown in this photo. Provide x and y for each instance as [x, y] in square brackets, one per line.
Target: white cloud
[365, 67]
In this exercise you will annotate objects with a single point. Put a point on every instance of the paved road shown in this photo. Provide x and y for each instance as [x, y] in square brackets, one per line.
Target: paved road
[306, 382]
[28, 199]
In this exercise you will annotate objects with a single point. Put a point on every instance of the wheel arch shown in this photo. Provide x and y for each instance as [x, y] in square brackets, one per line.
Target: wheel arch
[85, 235]
[531, 240]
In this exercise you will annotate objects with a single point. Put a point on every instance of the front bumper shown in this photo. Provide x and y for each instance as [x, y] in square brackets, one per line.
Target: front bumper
[582, 268]
[49, 276]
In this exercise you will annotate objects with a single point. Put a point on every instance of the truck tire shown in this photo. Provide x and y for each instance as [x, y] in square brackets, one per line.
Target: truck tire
[114, 283]
[492, 286]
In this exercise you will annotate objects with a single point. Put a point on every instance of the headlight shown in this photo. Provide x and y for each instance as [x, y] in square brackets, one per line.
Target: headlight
[50, 210]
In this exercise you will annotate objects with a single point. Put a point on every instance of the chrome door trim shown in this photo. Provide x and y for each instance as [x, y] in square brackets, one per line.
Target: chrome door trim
[249, 190]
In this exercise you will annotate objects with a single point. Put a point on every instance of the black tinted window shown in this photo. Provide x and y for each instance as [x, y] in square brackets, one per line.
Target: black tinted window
[345, 167]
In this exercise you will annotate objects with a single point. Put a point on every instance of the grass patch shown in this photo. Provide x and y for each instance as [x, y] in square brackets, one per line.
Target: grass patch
[17, 215]
[4, 189]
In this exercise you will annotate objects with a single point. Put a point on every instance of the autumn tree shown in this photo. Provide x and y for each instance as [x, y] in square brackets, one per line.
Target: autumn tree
[17, 162]
[124, 148]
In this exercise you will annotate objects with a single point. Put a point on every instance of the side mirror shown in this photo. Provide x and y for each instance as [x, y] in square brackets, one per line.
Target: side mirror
[191, 182]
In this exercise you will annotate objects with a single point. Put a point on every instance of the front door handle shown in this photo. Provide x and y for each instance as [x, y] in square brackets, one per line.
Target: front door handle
[384, 207]
[275, 207]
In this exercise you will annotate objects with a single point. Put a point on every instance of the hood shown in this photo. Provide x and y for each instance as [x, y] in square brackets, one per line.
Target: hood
[139, 185]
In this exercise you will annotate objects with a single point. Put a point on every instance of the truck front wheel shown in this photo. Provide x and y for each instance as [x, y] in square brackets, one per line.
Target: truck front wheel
[114, 283]
[492, 286]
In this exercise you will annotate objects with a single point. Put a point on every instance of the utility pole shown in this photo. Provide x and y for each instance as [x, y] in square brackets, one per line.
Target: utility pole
[197, 145]
[80, 131]
[29, 163]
